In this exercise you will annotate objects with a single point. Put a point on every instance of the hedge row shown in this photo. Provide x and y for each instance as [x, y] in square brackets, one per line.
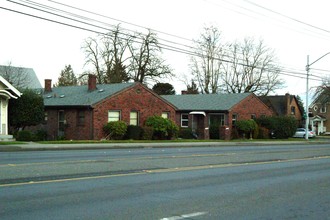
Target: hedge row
[156, 127]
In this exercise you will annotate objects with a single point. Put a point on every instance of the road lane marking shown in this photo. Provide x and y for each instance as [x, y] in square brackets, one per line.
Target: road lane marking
[184, 216]
[115, 159]
[165, 170]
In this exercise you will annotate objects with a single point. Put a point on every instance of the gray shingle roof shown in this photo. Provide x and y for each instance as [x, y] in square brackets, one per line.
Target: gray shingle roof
[17, 74]
[206, 102]
[80, 96]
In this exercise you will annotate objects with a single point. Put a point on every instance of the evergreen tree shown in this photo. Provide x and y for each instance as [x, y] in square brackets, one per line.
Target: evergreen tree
[192, 89]
[163, 89]
[28, 110]
[67, 77]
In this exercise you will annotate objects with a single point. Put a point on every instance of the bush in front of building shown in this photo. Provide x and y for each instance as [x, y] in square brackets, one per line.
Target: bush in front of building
[185, 133]
[147, 133]
[163, 128]
[115, 130]
[248, 128]
[282, 127]
[133, 132]
[24, 135]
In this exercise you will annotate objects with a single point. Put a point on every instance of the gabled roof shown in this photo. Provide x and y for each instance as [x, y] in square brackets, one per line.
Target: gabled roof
[206, 102]
[10, 91]
[277, 103]
[30, 78]
[80, 96]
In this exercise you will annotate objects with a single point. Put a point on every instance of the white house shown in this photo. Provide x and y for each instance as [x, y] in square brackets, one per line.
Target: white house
[7, 91]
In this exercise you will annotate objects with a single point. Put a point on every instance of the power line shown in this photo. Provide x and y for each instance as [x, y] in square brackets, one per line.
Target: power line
[167, 47]
[288, 17]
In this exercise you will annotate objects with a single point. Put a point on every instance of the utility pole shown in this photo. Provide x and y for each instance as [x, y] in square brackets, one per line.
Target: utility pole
[307, 118]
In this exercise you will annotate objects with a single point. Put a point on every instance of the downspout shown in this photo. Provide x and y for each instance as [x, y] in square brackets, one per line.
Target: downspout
[91, 123]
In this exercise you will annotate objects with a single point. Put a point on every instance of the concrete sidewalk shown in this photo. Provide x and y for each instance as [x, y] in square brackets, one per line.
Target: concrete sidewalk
[32, 146]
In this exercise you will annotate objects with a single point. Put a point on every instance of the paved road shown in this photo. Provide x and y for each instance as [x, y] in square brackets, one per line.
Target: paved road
[270, 182]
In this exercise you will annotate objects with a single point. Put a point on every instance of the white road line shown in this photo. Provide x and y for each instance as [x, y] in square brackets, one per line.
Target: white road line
[184, 216]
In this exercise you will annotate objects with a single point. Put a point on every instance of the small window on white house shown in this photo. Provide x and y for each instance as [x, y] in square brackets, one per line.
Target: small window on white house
[165, 115]
[113, 115]
[323, 109]
[184, 120]
[134, 118]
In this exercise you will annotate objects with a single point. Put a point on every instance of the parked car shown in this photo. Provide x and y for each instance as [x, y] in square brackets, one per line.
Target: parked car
[301, 132]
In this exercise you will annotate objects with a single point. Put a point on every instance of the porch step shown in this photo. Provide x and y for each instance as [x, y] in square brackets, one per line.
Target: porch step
[6, 137]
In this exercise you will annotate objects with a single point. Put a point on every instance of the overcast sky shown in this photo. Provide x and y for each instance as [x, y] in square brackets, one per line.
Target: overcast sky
[293, 28]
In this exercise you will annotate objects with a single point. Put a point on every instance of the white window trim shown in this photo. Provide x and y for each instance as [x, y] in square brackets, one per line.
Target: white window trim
[186, 120]
[323, 109]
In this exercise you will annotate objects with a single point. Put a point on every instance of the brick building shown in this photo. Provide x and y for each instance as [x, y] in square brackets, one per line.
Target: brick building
[202, 111]
[285, 105]
[80, 112]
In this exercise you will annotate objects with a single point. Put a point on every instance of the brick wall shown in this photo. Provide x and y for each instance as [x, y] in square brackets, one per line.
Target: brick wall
[73, 130]
[251, 105]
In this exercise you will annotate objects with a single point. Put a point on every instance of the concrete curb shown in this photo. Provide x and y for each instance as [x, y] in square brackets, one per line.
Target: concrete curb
[31, 146]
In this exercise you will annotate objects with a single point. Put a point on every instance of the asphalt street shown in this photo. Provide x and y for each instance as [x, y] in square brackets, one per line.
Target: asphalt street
[233, 182]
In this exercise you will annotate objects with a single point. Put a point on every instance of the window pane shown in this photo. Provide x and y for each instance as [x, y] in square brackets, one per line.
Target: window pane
[81, 117]
[133, 118]
[184, 120]
[165, 114]
[113, 116]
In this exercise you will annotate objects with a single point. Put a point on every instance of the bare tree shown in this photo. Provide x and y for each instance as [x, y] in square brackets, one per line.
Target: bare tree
[115, 54]
[251, 68]
[108, 55]
[322, 92]
[206, 65]
[17, 76]
[93, 57]
[146, 63]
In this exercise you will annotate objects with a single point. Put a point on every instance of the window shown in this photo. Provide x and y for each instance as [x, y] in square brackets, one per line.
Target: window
[184, 120]
[234, 119]
[81, 117]
[323, 109]
[134, 118]
[253, 116]
[165, 114]
[46, 116]
[61, 123]
[293, 110]
[113, 116]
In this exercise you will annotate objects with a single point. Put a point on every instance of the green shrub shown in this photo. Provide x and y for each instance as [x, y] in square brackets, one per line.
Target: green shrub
[24, 136]
[282, 126]
[133, 132]
[147, 133]
[115, 130]
[163, 128]
[248, 128]
[40, 135]
[185, 133]
[214, 132]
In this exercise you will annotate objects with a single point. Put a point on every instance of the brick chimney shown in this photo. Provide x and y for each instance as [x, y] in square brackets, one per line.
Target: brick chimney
[91, 82]
[287, 98]
[48, 85]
